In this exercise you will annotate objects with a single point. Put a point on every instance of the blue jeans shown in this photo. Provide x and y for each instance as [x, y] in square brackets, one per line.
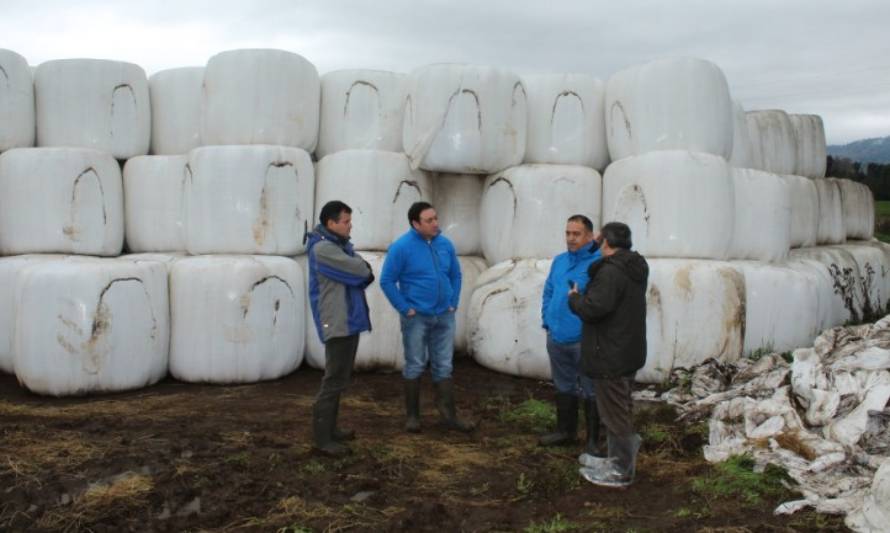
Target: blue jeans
[565, 365]
[428, 340]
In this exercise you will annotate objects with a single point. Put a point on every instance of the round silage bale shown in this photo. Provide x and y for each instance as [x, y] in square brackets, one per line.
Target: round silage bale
[857, 208]
[773, 140]
[260, 96]
[804, 211]
[458, 203]
[653, 194]
[253, 199]
[464, 119]
[236, 319]
[176, 110]
[93, 103]
[566, 123]
[742, 156]
[361, 110]
[762, 228]
[17, 115]
[811, 148]
[378, 186]
[669, 104]
[830, 228]
[154, 203]
[524, 209]
[60, 200]
[88, 325]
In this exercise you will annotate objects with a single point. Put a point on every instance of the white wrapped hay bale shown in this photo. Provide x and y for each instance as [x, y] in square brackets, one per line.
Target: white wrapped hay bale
[93, 103]
[458, 201]
[260, 97]
[873, 260]
[248, 200]
[811, 149]
[804, 210]
[695, 310]
[176, 110]
[154, 202]
[504, 319]
[60, 200]
[852, 293]
[857, 208]
[830, 227]
[91, 325]
[17, 116]
[762, 228]
[236, 319]
[669, 104]
[470, 269]
[361, 109]
[464, 119]
[524, 209]
[378, 349]
[650, 193]
[566, 123]
[773, 293]
[742, 156]
[9, 271]
[774, 141]
[378, 186]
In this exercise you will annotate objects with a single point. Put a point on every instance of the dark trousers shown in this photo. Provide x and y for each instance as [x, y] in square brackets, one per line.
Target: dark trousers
[615, 405]
[339, 354]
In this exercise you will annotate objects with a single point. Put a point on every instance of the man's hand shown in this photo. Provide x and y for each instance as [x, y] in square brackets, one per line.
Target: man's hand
[411, 312]
[573, 290]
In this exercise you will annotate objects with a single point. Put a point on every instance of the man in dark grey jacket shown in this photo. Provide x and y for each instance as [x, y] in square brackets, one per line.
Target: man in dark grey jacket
[338, 278]
[613, 347]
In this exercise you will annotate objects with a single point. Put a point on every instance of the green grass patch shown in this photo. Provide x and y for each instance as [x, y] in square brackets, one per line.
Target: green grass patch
[735, 478]
[883, 237]
[531, 415]
[557, 524]
[882, 209]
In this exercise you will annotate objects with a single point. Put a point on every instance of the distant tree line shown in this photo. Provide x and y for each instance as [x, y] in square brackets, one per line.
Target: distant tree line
[874, 175]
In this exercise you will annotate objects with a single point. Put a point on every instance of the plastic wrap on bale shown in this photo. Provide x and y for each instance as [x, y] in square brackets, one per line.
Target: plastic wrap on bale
[176, 110]
[464, 119]
[524, 209]
[236, 319]
[651, 193]
[60, 200]
[87, 325]
[154, 203]
[93, 103]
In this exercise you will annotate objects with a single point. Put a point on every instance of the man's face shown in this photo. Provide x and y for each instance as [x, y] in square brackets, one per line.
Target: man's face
[428, 226]
[577, 236]
[342, 226]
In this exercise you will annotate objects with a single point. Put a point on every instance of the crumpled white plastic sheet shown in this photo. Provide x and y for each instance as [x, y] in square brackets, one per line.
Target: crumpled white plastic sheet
[824, 417]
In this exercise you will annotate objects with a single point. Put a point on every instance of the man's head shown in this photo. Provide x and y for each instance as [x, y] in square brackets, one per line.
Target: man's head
[615, 236]
[336, 217]
[579, 232]
[423, 218]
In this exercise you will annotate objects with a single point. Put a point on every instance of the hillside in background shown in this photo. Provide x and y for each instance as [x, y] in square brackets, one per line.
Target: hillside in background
[865, 151]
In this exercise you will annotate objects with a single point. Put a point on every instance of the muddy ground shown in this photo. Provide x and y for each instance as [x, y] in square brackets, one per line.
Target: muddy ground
[178, 457]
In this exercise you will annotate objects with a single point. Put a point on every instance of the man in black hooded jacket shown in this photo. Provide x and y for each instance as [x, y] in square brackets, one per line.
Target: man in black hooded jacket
[613, 347]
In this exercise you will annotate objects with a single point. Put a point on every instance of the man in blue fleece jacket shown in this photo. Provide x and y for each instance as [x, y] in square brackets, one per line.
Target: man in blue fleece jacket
[564, 336]
[421, 279]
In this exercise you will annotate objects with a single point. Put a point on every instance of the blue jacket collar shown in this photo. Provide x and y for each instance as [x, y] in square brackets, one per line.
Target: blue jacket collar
[585, 251]
[421, 237]
[322, 232]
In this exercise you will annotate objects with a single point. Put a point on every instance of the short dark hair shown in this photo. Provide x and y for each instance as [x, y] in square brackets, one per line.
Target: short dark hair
[332, 211]
[416, 209]
[581, 219]
[617, 234]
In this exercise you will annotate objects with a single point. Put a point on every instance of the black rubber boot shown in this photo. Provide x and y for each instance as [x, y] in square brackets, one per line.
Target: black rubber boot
[412, 405]
[323, 423]
[340, 434]
[592, 421]
[445, 404]
[566, 422]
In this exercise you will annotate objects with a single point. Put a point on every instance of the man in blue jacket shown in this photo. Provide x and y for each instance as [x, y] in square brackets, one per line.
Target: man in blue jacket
[564, 336]
[421, 279]
[338, 278]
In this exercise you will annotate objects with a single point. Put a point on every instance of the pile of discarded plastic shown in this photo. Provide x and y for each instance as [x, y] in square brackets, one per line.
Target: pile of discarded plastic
[823, 416]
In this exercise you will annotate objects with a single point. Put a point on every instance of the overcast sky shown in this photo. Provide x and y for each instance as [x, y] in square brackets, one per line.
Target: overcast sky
[831, 58]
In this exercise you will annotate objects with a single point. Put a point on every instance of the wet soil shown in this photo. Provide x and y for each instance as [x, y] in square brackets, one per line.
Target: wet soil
[181, 457]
